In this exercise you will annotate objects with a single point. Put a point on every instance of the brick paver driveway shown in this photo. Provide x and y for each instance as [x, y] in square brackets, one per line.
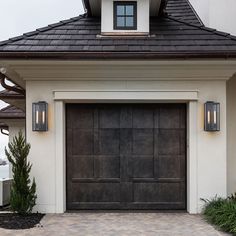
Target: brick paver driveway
[125, 224]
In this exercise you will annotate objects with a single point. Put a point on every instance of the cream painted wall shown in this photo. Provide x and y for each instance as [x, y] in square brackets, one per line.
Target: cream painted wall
[231, 138]
[217, 14]
[211, 147]
[142, 17]
[221, 15]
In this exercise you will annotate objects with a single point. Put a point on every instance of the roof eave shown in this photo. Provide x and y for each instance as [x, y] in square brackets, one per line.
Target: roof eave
[117, 55]
[12, 117]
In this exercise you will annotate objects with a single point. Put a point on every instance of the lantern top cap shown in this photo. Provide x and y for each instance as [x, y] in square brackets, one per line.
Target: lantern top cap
[39, 102]
[212, 102]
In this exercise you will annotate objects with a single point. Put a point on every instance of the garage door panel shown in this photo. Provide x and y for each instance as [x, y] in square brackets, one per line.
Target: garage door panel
[183, 118]
[182, 140]
[82, 141]
[157, 192]
[170, 166]
[107, 166]
[170, 192]
[143, 142]
[142, 166]
[107, 142]
[69, 142]
[143, 117]
[83, 166]
[109, 117]
[145, 192]
[126, 142]
[80, 117]
[169, 118]
[169, 141]
[126, 156]
[126, 117]
[96, 192]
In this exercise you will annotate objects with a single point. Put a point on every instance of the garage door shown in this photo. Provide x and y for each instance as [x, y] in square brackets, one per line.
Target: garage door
[126, 156]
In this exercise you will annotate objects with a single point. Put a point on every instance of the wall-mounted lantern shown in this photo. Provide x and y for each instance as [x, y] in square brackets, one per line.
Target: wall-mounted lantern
[212, 116]
[40, 116]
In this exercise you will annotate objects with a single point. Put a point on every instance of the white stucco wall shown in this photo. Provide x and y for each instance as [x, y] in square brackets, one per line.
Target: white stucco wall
[217, 14]
[231, 135]
[142, 17]
[210, 147]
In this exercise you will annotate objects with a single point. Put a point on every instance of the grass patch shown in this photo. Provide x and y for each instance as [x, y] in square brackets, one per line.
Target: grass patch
[222, 213]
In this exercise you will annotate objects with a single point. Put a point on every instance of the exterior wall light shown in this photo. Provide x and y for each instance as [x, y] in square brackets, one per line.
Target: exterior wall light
[40, 116]
[212, 116]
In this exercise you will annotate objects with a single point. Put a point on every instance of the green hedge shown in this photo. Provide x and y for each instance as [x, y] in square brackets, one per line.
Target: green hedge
[222, 213]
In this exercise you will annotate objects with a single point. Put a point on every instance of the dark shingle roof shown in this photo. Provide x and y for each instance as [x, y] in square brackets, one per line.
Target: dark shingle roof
[179, 34]
[11, 112]
[183, 10]
[3, 126]
[6, 94]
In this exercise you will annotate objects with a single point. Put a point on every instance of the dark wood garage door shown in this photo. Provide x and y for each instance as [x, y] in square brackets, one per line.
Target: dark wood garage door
[126, 156]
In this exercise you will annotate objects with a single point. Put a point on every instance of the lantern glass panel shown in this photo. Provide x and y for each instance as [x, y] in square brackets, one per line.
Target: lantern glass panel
[40, 116]
[212, 116]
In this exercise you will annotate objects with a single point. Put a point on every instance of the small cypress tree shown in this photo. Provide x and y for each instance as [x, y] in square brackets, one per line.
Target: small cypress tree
[23, 197]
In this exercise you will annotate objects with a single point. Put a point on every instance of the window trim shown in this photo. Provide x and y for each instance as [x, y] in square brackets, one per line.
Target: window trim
[125, 3]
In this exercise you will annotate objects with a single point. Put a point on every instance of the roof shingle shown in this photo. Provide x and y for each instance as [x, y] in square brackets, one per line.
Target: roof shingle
[180, 33]
[11, 112]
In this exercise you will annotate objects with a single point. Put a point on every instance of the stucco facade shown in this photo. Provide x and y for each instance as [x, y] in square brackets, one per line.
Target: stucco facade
[82, 82]
[93, 156]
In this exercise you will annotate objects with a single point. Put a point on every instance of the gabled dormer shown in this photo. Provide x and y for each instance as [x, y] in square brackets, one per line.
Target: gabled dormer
[124, 17]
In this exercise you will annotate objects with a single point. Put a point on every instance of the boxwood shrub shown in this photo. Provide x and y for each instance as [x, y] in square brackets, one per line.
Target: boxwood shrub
[221, 213]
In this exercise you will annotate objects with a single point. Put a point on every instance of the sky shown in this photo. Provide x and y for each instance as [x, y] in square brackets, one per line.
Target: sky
[21, 16]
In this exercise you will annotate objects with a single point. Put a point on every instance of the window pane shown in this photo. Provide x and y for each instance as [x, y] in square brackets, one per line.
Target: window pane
[129, 10]
[120, 10]
[120, 21]
[129, 21]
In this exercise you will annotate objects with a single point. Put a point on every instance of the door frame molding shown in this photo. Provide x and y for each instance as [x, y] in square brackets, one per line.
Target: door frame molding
[188, 97]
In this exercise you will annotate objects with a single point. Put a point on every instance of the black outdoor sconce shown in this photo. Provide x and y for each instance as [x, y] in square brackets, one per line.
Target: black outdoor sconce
[212, 116]
[40, 116]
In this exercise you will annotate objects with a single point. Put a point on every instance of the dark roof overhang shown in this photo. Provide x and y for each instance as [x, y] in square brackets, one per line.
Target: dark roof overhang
[117, 55]
[11, 112]
[16, 90]
[3, 126]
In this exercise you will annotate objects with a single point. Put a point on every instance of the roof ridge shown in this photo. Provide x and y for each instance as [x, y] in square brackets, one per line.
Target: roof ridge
[42, 29]
[203, 27]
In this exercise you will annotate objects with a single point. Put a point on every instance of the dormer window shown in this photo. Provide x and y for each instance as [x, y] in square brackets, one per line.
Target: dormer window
[125, 15]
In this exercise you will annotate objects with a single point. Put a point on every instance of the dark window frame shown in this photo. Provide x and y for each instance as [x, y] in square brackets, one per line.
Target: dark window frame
[125, 3]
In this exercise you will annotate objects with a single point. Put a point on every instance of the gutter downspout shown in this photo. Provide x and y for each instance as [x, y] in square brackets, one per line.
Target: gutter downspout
[10, 88]
[3, 131]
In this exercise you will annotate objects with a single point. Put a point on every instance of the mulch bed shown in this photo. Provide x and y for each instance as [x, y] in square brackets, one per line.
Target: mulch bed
[16, 221]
